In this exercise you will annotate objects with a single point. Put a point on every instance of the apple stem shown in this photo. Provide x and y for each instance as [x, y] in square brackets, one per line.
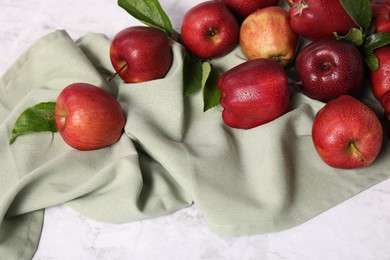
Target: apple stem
[356, 151]
[116, 73]
[50, 117]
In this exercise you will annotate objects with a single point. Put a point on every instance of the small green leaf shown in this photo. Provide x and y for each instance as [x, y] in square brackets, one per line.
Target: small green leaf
[211, 92]
[192, 75]
[376, 40]
[206, 70]
[149, 12]
[354, 35]
[35, 119]
[372, 61]
[360, 12]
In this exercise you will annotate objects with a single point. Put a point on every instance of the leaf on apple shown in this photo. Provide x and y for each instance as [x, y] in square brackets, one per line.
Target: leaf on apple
[211, 92]
[35, 119]
[360, 12]
[373, 42]
[149, 12]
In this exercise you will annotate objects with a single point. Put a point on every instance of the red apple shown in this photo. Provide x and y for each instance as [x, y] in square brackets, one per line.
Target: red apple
[87, 117]
[241, 9]
[347, 134]
[381, 17]
[315, 19]
[209, 30]
[254, 93]
[380, 79]
[329, 68]
[141, 53]
[266, 33]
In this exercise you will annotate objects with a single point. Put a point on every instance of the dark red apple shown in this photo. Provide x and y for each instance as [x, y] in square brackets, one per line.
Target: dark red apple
[141, 53]
[254, 93]
[241, 9]
[209, 30]
[315, 19]
[380, 79]
[87, 117]
[329, 68]
[347, 134]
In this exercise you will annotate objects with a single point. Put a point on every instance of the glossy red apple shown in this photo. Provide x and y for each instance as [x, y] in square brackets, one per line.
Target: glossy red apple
[329, 68]
[380, 79]
[209, 30]
[346, 133]
[315, 19]
[254, 93]
[241, 9]
[141, 53]
[266, 33]
[87, 117]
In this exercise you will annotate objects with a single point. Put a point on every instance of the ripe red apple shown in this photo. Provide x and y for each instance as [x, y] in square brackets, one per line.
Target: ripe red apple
[266, 33]
[241, 9]
[315, 19]
[347, 134]
[381, 16]
[87, 117]
[380, 79]
[329, 68]
[141, 53]
[254, 93]
[209, 30]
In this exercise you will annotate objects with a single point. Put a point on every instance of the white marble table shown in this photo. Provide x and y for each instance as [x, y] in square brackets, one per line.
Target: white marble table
[356, 229]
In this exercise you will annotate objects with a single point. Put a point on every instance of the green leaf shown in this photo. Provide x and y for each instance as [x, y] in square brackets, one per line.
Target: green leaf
[360, 12]
[211, 92]
[35, 119]
[192, 75]
[376, 40]
[149, 12]
[354, 35]
[372, 61]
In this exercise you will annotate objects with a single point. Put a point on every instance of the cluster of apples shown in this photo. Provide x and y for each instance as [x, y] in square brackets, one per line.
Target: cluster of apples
[89, 118]
[346, 133]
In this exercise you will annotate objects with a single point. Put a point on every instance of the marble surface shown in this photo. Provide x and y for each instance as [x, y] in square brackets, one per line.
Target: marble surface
[356, 229]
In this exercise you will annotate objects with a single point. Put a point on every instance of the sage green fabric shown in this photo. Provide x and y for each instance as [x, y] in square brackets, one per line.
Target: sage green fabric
[172, 154]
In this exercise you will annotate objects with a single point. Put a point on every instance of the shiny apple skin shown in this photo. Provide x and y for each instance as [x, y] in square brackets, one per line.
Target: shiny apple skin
[343, 121]
[209, 30]
[380, 79]
[329, 68]
[315, 19]
[146, 51]
[87, 117]
[254, 93]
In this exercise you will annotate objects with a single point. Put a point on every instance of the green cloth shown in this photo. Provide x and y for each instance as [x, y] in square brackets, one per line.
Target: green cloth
[171, 155]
